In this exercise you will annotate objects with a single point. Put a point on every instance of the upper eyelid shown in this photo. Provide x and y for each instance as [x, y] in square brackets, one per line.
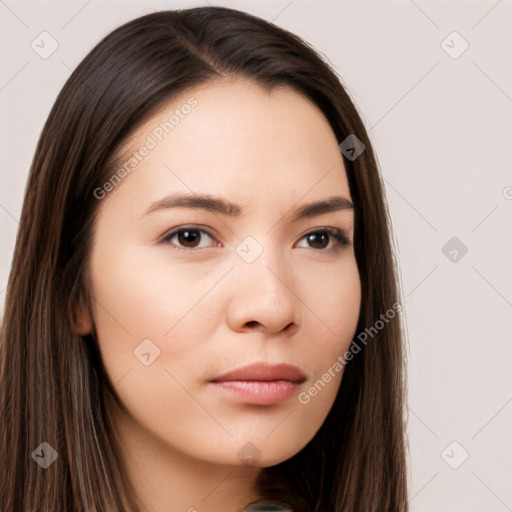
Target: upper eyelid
[183, 227]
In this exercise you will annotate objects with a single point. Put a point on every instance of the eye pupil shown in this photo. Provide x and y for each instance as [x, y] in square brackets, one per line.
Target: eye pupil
[188, 237]
[315, 237]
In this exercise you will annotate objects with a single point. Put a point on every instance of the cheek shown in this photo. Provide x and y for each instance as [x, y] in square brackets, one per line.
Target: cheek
[150, 341]
[334, 301]
[335, 308]
[144, 305]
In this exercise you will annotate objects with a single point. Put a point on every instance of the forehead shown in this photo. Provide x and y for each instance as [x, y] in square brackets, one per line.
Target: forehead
[234, 136]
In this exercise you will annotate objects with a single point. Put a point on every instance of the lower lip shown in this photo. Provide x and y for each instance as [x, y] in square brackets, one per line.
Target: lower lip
[260, 392]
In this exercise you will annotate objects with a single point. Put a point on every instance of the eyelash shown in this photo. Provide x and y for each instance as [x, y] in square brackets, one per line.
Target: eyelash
[332, 232]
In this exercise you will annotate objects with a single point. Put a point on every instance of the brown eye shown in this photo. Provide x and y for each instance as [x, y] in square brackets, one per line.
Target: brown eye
[321, 238]
[187, 238]
[318, 240]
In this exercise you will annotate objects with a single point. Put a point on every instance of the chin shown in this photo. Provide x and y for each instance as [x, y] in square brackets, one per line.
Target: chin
[264, 453]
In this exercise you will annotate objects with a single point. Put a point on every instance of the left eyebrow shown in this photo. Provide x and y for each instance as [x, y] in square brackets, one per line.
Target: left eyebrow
[328, 205]
[219, 205]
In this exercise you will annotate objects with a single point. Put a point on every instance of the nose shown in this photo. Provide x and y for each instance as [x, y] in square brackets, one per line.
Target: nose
[263, 297]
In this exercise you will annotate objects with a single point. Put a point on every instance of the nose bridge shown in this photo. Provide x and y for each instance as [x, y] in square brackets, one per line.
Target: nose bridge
[262, 292]
[262, 260]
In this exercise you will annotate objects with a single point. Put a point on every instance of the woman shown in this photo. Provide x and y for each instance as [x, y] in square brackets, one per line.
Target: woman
[201, 310]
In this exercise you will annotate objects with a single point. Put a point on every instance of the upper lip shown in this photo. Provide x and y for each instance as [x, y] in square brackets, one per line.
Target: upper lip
[264, 372]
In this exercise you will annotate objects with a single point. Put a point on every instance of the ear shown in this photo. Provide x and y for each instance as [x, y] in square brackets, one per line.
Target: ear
[81, 323]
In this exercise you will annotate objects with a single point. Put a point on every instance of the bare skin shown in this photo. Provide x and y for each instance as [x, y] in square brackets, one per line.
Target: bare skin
[206, 308]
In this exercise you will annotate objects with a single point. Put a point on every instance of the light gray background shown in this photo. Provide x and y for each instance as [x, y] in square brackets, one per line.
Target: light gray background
[442, 130]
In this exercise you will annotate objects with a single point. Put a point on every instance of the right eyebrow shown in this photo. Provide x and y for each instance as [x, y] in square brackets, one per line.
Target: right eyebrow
[199, 201]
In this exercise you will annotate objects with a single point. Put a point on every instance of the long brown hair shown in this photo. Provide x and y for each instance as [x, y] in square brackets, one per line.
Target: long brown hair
[53, 386]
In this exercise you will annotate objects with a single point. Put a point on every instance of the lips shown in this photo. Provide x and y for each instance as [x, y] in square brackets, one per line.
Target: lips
[260, 383]
[264, 372]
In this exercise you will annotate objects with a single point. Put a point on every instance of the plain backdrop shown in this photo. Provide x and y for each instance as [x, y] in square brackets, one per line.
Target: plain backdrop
[433, 84]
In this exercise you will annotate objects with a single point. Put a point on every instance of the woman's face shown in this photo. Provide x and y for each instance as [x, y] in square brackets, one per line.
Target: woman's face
[253, 283]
